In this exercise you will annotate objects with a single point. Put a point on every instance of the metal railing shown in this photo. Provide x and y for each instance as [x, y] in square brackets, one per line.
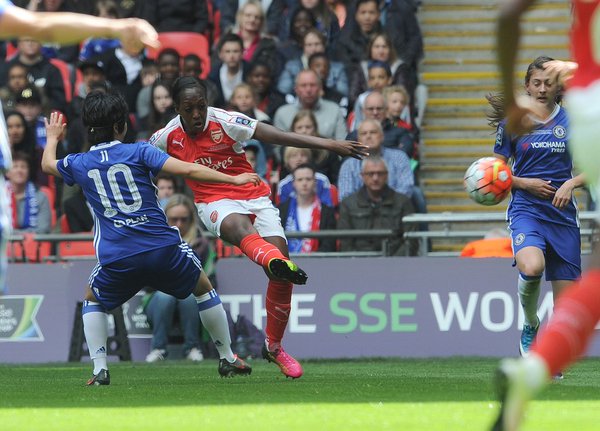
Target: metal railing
[446, 220]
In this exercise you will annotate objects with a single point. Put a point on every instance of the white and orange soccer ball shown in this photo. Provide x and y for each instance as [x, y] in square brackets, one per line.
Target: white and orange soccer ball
[488, 181]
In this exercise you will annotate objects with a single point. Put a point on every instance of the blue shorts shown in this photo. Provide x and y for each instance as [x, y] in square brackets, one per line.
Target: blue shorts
[561, 245]
[173, 269]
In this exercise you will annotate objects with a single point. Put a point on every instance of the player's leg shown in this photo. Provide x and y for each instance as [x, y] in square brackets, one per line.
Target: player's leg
[214, 319]
[234, 222]
[160, 311]
[95, 328]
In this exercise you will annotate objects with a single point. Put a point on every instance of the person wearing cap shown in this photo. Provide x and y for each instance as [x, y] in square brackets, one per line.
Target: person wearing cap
[30, 103]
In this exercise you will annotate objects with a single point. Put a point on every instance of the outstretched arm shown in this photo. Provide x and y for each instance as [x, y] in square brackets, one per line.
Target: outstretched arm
[66, 28]
[273, 135]
[54, 130]
[207, 175]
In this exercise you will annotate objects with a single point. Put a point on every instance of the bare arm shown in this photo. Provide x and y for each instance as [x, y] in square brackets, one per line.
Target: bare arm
[54, 130]
[207, 175]
[67, 28]
[273, 135]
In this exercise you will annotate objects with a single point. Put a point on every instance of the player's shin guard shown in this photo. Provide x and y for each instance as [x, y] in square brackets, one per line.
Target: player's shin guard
[214, 319]
[95, 328]
[575, 316]
[259, 250]
[278, 304]
[529, 293]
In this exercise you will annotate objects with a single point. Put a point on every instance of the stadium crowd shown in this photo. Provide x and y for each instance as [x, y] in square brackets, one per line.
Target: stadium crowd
[316, 67]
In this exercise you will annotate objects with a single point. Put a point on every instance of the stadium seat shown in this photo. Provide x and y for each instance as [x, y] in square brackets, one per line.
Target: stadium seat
[185, 43]
[76, 250]
[51, 195]
[226, 250]
[34, 251]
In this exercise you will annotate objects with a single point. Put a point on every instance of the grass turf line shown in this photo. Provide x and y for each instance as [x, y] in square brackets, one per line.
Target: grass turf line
[386, 394]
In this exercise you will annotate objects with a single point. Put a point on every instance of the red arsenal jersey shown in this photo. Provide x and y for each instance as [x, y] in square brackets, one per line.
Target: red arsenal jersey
[585, 42]
[217, 147]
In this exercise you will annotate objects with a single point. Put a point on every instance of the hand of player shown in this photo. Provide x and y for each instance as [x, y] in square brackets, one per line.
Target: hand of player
[136, 33]
[538, 187]
[55, 128]
[350, 148]
[562, 71]
[563, 195]
[246, 178]
[520, 116]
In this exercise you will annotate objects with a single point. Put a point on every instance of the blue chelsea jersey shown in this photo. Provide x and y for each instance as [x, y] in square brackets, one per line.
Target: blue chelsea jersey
[542, 153]
[116, 179]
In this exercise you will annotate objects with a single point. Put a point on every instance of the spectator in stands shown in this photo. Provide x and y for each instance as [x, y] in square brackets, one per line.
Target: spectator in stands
[22, 139]
[232, 67]
[292, 158]
[29, 102]
[400, 177]
[176, 15]
[42, 72]
[274, 10]
[167, 187]
[304, 212]
[160, 307]
[495, 243]
[397, 107]
[393, 137]
[260, 77]
[16, 81]
[321, 64]
[328, 114]
[301, 20]
[161, 111]
[256, 44]
[339, 8]
[354, 38]
[168, 63]
[31, 208]
[379, 77]
[192, 66]
[96, 46]
[313, 42]
[255, 155]
[243, 100]
[375, 205]
[324, 162]
[327, 22]
[380, 48]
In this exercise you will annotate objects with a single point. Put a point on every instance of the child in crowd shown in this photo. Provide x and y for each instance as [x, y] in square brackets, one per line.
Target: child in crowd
[397, 106]
[243, 100]
[232, 69]
[379, 77]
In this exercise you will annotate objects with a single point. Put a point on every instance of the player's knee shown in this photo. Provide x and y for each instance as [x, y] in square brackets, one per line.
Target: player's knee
[531, 269]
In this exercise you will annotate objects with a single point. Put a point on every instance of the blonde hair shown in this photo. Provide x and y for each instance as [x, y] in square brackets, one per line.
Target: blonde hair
[180, 199]
[288, 152]
[241, 86]
[301, 115]
[240, 12]
[388, 91]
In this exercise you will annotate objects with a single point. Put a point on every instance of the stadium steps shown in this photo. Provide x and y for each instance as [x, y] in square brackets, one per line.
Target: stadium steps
[459, 69]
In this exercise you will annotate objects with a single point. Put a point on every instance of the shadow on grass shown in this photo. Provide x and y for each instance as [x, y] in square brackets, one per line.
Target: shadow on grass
[175, 383]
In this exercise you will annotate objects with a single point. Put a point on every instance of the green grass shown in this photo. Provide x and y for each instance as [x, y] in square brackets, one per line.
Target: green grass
[365, 395]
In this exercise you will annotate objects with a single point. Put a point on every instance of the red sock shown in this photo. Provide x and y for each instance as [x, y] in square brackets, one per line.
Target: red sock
[571, 327]
[278, 304]
[259, 250]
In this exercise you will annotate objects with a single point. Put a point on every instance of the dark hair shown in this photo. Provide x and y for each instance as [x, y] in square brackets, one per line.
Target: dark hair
[259, 63]
[375, 64]
[168, 51]
[183, 83]
[297, 12]
[230, 37]
[101, 111]
[158, 120]
[21, 156]
[318, 55]
[388, 41]
[496, 100]
[192, 57]
[304, 166]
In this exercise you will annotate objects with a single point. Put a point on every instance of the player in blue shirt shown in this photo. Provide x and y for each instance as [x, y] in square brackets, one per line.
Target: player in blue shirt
[61, 27]
[542, 213]
[134, 245]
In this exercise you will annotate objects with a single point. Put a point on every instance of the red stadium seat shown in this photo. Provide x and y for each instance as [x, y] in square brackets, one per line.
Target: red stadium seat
[185, 43]
[78, 249]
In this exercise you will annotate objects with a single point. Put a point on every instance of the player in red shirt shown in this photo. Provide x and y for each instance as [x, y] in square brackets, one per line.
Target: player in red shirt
[577, 311]
[242, 216]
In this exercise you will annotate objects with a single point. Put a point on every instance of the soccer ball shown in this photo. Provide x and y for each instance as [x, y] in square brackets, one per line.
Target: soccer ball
[488, 181]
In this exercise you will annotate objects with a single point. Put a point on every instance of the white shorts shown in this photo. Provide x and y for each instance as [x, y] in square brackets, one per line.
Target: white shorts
[267, 221]
[583, 109]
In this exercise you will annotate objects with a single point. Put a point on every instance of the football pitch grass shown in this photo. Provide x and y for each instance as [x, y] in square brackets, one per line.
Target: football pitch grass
[365, 395]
